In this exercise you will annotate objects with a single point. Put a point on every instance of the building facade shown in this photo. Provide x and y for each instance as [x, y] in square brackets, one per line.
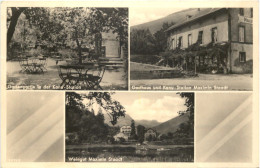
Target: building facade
[218, 26]
[110, 45]
[150, 135]
[126, 129]
[125, 132]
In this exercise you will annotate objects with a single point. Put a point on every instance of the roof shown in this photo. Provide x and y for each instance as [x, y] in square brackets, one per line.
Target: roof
[202, 13]
[150, 129]
[125, 126]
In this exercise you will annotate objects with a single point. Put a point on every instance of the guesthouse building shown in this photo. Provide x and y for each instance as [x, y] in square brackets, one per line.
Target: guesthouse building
[126, 129]
[150, 134]
[218, 37]
[125, 132]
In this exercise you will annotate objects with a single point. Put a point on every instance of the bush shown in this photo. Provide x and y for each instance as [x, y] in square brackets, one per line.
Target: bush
[147, 59]
[67, 53]
[121, 140]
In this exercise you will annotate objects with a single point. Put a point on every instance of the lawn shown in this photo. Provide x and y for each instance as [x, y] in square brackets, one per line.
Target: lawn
[146, 67]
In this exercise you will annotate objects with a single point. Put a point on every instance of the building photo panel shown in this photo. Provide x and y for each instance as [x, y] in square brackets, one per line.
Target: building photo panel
[67, 48]
[191, 49]
[35, 127]
[129, 127]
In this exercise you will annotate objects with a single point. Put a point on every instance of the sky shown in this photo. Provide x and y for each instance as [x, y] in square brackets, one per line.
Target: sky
[151, 106]
[143, 15]
[160, 106]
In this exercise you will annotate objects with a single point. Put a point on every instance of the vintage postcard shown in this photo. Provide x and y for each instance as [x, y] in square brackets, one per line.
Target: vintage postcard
[130, 84]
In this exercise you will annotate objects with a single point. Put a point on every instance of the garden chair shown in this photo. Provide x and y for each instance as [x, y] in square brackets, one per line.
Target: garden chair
[95, 77]
[69, 77]
[23, 62]
[42, 64]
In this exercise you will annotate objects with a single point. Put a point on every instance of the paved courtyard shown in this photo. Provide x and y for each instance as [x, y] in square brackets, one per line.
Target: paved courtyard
[113, 79]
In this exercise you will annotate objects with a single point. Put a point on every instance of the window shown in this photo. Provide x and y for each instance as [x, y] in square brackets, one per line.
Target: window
[180, 42]
[241, 34]
[189, 40]
[241, 11]
[214, 35]
[200, 37]
[242, 57]
[173, 43]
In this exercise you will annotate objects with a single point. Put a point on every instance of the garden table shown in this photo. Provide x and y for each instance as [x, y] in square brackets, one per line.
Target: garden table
[33, 64]
[81, 76]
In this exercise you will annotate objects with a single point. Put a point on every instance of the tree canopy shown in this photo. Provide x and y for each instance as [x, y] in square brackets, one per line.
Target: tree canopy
[144, 42]
[79, 24]
[81, 118]
[188, 128]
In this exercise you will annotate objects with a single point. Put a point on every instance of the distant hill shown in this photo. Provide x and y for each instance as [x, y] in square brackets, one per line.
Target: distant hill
[121, 121]
[127, 121]
[174, 17]
[171, 125]
[147, 123]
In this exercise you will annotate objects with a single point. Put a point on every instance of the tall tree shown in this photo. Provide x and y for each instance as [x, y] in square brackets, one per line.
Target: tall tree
[13, 16]
[80, 119]
[161, 38]
[142, 42]
[82, 25]
[133, 133]
[140, 133]
[189, 102]
[37, 16]
[104, 99]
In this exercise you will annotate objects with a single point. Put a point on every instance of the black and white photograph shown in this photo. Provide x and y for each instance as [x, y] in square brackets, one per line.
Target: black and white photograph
[67, 48]
[191, 49]
[129, 127]
[129, 84]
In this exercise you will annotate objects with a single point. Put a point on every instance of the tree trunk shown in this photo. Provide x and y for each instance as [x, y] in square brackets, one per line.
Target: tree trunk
[98, 44]
[119, 50]
[79, 51]
[15, 16]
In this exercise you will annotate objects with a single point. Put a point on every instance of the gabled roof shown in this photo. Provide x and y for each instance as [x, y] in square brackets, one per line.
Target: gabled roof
[202, 13]
[150, 129]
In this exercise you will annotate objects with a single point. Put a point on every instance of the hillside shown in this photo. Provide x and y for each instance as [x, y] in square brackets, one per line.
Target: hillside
[174, 17]
[147, 123]
[171, 125]
[121, 121]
